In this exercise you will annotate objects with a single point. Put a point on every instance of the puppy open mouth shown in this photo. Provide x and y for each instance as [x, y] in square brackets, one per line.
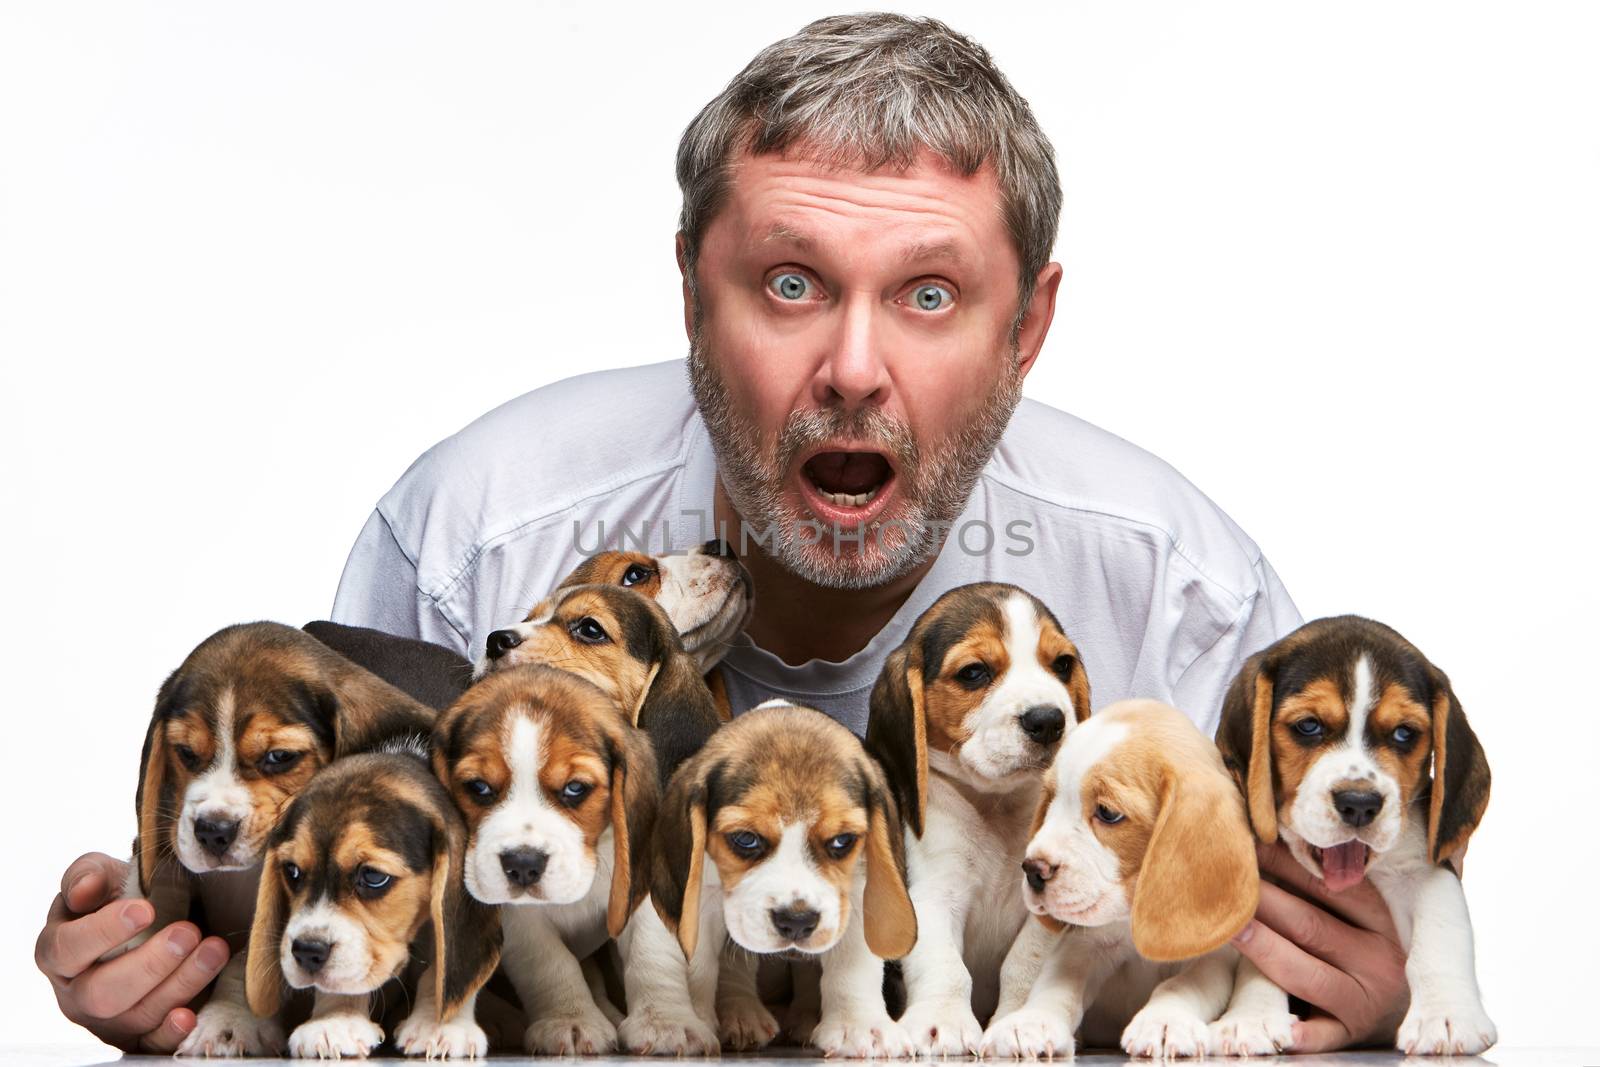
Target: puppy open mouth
[844, 485]
[1342, 865]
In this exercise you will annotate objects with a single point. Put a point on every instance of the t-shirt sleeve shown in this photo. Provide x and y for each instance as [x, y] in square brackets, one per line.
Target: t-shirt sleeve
[379, 589]
[1268, 614]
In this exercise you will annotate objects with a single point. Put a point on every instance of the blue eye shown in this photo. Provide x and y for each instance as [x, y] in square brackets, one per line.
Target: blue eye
[839, 845]
[574, 791]
[931, 297]
[478, 789]
[790, 286]
[1403, 735]
[746, 843]
[371, 881]
[1308, 728]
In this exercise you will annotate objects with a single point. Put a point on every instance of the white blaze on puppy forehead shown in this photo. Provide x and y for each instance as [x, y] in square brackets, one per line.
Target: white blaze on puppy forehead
[1027, 681]
[1084, 749]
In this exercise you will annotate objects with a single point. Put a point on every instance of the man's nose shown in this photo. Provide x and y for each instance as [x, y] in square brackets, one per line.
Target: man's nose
[855, 373]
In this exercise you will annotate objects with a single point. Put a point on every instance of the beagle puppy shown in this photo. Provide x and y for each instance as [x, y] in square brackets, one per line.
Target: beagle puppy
[1350, 745]
[364, 869]
[624, 643]
[964, 716]
[1142, 846]
[238, 729]
[808, 861]
[430, 674]
[559, 791]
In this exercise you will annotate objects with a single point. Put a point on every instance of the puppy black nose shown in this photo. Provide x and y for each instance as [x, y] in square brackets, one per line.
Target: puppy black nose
[718, 547]
[796, 924]
[1044, 724]
[523, 866]
[215, 835]
[310, 953]
[500, 642]
[1357, 808]
[1037, 873]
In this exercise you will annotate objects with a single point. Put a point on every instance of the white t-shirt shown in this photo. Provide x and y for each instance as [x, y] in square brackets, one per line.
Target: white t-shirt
[1164, 596]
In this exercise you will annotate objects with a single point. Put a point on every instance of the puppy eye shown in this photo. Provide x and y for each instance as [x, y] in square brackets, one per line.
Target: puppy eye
[279, 760]
[1062, 666]
[187, 755]
[635, 574]
[839, 845]
[974, 675]
[746, 843]
[1107, 816]
[1308, 728]
[573, 792]
[291, 874]
[371, 882]
[588, 631]
[478, 790]
[1403, 735]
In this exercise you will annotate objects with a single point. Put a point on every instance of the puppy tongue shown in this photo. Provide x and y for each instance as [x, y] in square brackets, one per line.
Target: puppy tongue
[847, 472]
[1344, 865]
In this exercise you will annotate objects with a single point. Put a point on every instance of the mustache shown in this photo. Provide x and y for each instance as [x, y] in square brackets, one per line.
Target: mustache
[804, 430]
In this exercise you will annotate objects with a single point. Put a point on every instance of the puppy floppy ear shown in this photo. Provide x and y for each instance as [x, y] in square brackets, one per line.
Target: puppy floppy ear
[1460, 787]
[897, 734]
[360, 709]
[635, 793]
[889, 921]
[466, 932]
[675, 708]
[154, 801]
[1078, 689]
[263, 976]
[1198, 883]
[1245, 738]
[678, 855]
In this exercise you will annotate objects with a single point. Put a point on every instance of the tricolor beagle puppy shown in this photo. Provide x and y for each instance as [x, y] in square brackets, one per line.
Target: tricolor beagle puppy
[238, 729]
[431, 674]
[966, 713]
[623, 642]
[363, 871]
[1142, 846]
[808, 861]
[1352, 746]
[559, 791]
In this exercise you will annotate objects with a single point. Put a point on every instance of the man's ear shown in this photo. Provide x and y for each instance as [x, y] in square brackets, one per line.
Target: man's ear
[681, 251]
[635, 793]
[1198, 883]
[678, 857]
[1460, 786]
[466, 932]
[897, 734]
[889, 921]
[1037, 316]
[1244, 735]
[263, 976]
[155, 804]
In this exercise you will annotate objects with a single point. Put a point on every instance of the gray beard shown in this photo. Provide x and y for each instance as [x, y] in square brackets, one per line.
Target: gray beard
[932, 484]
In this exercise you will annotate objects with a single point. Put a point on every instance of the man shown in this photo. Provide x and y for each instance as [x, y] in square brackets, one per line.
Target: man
[868, 215]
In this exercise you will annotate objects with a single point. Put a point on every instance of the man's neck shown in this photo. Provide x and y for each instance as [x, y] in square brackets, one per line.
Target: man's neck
[797, 620]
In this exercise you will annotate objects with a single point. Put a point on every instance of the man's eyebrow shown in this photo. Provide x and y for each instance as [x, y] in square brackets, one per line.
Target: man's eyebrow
[916, 251]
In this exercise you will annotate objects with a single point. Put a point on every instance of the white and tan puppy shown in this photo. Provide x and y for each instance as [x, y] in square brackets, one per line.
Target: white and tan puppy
[1352, 746]
[807, 857]
[559, 792]
[1143, 852]
[965, 715]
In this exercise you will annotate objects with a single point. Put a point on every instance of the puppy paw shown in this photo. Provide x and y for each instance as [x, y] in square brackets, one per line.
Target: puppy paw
[1028, 1034]
[419, 1036]
[1159, 1032]
[943, 1028]
[862, 1037]
[1250, 1035]
[571, 1035]
[651, 1032]
[1442, 1029]
[334, 1037]
[745, 1024]
[224, 1029]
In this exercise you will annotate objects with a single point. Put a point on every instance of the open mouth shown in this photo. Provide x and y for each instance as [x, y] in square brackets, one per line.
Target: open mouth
[847, 481]
[1342, 865]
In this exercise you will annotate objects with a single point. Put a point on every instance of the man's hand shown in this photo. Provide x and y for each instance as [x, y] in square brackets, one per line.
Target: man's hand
[138, 1001]
[1336, 951]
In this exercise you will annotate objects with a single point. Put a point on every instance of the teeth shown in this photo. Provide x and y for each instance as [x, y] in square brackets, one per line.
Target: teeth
[848, 500]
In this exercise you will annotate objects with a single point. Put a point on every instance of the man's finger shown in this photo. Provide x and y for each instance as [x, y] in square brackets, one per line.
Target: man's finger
[1320, 1033]
[76, 943]
[108, 990]
[91, 880]
[1318, 932]
[190, 978]
[1361, 904]
[1294, 970]
[170, 1034]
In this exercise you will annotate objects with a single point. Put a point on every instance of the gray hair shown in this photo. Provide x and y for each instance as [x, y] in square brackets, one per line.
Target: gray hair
[868, 91]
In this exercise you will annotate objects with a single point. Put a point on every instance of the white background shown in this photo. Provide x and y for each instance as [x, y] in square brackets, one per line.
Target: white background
[1340, 264]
